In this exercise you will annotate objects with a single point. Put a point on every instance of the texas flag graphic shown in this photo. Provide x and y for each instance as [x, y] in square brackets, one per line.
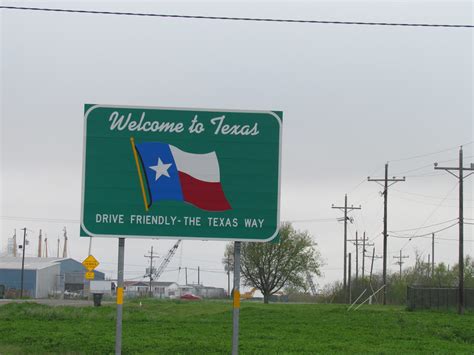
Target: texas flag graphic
[176, 175]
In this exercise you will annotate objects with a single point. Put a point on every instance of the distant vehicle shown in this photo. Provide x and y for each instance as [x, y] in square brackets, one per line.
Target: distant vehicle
[104, 287]
[190, 296]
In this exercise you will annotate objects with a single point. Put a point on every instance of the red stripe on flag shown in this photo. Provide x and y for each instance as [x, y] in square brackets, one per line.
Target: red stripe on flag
[207, 196]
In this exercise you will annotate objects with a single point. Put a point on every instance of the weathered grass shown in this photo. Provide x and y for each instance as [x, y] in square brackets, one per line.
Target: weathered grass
[172, 327]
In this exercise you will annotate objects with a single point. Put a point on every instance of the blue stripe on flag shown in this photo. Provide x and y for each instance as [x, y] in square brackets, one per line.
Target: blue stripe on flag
[165, 188]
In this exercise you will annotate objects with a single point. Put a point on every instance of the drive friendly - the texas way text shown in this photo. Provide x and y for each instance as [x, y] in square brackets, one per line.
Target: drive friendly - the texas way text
[105, 218]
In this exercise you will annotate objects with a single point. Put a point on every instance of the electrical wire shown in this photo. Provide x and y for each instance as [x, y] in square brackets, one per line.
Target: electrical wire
[423, 235]
[432, 153]
[39, 219]
[429, 204]
[229, 18]
[431, 214]
[311, 220]
[418, 228]
[424, 175]
[429, 196]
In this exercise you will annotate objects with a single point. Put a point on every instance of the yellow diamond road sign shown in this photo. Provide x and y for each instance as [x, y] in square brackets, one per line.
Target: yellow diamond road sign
[90, 263]
[89, 275]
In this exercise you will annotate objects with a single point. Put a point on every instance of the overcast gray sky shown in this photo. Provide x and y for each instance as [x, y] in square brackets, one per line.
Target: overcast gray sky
[353, 97]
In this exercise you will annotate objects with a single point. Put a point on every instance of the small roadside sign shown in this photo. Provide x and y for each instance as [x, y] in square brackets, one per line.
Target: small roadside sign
[90, 263]
[89, 275]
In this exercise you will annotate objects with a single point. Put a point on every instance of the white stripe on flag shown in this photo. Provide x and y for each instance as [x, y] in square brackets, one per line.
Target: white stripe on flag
[204, 167]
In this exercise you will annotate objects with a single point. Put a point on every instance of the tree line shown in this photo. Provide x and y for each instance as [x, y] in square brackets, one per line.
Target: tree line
[286, 264]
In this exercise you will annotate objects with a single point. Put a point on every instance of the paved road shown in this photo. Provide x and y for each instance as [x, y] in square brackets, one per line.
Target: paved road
[55, 302]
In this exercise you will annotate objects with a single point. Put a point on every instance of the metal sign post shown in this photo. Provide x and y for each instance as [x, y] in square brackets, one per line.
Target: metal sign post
[118, 334]
[236, 303]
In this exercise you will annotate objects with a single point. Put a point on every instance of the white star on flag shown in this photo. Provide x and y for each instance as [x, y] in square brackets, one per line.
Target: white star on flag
[161, 169]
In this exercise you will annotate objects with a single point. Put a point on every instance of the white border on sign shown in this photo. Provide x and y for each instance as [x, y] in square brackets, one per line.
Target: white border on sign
[94, 106]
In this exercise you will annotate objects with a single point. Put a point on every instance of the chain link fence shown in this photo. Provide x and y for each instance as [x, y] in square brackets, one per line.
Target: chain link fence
[439, 298]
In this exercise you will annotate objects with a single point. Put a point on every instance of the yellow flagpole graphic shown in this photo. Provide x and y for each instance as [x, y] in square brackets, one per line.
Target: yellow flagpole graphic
[135, 154]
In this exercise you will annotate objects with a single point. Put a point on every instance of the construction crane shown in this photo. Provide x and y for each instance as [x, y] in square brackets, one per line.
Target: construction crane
[248, 295]
[166, 260]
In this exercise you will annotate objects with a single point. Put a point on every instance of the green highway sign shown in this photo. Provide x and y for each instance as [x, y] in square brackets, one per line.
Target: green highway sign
[152, 172]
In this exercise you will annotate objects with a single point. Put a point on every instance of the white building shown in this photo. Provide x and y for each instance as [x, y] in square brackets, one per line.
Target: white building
[159, 289]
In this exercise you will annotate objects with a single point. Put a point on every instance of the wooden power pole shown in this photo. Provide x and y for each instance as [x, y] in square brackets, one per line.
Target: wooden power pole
[349, 280]
[15, 246]
[39, 245]
[345, 209]
[460, 172]
[150, 272]
[65, 244]
[364, 244]
[400, 261]
[432, 255]
[356, 243]
[386, 180]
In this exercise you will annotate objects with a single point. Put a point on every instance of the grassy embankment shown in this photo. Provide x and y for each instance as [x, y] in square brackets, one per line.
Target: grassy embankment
[160, 327]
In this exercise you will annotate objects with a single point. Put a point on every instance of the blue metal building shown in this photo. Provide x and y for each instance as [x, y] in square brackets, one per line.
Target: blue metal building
[43, 277]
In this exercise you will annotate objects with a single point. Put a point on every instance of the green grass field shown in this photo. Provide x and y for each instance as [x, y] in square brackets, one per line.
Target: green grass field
[170, 327]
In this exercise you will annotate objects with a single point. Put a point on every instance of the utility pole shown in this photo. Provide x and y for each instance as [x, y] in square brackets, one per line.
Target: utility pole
[364, 244]
[186, 274]
[356, 243]
[15, 246]
[345, 209]
[150, 270]
[23, 261]
[432, 255]
[46, 246]
[199, 276]
[386, 185]
[460, 169]
[228, 275]
[90, 246]
[39, 245]
[400, 261]
[57, 255]
[349, 280]
[429, 265]
[372, 264]
[65, 244]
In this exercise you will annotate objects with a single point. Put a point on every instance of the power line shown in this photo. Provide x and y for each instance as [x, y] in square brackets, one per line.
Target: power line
[423, 235]
[418, 228]
[437, 238]
[431, 164]
[229, 18]
[432, 153]
[431, 214]
[428, 203]
[423, 175]
[312, 220]
[38, 219]
[429, 196]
